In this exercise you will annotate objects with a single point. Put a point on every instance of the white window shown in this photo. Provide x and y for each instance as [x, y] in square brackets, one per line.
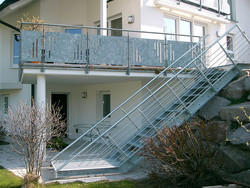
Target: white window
[16, 49]
[170, 27]
[175, 24]
[185, 29]
[230, 47]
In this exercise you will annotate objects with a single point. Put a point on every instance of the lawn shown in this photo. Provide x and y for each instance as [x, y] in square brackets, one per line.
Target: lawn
[9, 180]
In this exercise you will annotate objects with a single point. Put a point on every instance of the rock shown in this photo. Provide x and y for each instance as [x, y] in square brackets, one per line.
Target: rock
[240, 136]
[233, 159]
[247, 84]
[213, 107]
[242, 177]
[229, 113]
[235, 89]
[221, 127]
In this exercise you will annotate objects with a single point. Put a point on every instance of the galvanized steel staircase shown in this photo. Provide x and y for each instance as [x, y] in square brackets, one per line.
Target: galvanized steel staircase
[170, 98]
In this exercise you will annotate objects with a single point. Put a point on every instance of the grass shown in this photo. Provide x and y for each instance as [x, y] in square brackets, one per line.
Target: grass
[8, 179]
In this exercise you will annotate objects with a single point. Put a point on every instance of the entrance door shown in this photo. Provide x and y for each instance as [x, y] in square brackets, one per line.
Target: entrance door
[61, 100]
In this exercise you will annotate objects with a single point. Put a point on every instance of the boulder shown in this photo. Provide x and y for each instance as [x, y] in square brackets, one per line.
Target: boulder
[239, 136]
[235, 89]
[233, 159]
[247, 84]
[229, 113]
[242, 177]
[221, 127]
[213, 107]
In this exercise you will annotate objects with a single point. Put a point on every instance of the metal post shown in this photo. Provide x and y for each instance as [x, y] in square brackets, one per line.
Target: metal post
[87, 53]
[178, 2]
[128, 68]
[43, 50]
[200, 5]
[218, 8]
[165, 57]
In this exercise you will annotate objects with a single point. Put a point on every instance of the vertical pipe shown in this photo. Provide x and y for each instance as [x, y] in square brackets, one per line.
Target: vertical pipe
[200, 5]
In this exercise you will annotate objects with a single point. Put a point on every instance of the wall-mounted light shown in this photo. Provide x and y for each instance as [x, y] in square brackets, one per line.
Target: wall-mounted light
[131, 19]
[84, 95]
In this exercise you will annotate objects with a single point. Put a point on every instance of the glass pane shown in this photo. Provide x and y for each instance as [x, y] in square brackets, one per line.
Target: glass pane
[117, 24]
[16, 49]
[73, 31]
[198, 31]
[185, 29]
[6, 104]
[229, 43]
[106, 104]
[170, 27]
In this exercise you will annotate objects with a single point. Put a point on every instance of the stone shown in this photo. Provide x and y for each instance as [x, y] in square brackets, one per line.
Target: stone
[229, 113]
[242, 177]
[247, 84]
[235, 89]
[222, 128]
[233, 159]
[213, 107]
[240, 136]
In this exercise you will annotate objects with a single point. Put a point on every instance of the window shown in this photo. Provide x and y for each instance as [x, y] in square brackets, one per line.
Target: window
[114, 22]
[16, 49]
[105, 104]
[175, 24]
[117, 24]
[230, 43]
[185, 29]
[170, 27]
[198, 30]
[5, 104]
[73, 31]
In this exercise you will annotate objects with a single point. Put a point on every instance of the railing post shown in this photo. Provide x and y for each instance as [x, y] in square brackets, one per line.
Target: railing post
[43, 50]
[165, 57]
[128, 64]
[178, 2]
[200, 5]
[218, 8]
[87, 52]
[20, 59]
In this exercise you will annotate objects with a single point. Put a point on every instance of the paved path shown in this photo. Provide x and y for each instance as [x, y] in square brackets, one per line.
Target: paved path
[11, 161]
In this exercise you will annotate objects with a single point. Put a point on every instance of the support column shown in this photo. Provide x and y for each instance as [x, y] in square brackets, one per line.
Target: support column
[41, 90]
[103, 16]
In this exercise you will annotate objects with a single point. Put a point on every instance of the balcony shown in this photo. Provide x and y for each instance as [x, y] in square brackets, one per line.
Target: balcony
[50, 47]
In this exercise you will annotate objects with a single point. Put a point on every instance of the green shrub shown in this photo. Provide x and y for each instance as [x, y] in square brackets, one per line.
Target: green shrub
[184, 155]
[57, 143]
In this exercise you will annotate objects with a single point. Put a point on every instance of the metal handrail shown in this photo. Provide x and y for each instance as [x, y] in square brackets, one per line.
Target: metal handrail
[102, 28]
[160, 74]
[149, 96]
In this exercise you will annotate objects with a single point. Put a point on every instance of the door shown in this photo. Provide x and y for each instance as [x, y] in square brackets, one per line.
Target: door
[61, 100]
[104, 104]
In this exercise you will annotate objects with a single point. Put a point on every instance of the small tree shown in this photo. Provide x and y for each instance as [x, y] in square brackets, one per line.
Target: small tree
[31, 127]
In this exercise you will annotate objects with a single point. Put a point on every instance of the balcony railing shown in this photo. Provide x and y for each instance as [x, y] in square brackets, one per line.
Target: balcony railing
[219, 6]
[50, 46]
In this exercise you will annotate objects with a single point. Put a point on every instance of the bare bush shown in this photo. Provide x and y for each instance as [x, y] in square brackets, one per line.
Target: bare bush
[184, 154]
[31, 127]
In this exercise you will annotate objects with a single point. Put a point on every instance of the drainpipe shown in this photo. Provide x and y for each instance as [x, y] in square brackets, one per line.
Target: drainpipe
[103, 16]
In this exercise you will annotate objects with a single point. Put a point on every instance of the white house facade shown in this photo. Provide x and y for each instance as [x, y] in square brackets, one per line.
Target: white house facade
[76, 60]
